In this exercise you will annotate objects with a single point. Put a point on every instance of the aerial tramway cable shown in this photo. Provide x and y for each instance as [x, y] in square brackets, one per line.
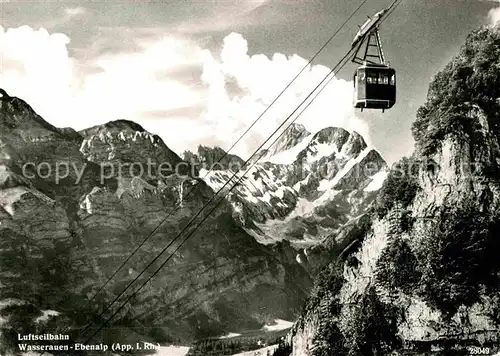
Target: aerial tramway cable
[213, 209]
[392, 7]
[239, 180]
[229, 150]
[175, 208]
[220, 159]
[342, 63]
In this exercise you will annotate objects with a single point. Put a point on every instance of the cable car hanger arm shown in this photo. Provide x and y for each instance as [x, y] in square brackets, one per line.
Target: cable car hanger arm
[372, 23]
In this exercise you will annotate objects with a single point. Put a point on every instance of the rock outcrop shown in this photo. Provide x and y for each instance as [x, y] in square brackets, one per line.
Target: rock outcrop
[214, 158]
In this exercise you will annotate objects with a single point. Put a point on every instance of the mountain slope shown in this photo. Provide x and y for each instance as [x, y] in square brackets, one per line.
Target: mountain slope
[425, 276]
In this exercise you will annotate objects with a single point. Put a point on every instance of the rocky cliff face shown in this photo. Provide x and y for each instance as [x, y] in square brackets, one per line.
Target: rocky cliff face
[425, 276]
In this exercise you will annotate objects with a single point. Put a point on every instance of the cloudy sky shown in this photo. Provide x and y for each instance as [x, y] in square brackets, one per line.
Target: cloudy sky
[199, 72]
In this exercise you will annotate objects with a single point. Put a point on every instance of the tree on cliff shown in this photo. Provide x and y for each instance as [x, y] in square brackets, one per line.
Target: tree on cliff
[471, 78]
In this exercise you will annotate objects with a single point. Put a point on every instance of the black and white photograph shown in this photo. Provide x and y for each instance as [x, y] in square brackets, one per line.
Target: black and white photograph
[249, 177]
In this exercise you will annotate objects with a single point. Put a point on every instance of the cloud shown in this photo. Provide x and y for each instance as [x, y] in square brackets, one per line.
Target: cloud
[494, 15]
[204, 97]
[261, 80]
[35, 66]
[67, 15]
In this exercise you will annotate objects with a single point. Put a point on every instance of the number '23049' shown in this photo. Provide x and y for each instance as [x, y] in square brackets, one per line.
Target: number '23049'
[474, 350]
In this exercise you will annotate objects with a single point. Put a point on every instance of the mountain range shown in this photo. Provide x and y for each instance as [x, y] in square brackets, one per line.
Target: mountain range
[74, 205]
[367, 260]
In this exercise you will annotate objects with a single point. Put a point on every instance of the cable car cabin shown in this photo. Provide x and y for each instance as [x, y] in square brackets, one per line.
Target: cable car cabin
[374, 87]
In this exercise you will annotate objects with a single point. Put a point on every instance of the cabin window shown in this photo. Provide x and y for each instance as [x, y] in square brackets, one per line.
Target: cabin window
[383, 78]
[371, 79]
[393, 80]
[361, 78]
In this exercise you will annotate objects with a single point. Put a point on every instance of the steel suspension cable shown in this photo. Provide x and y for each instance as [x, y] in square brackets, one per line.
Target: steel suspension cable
[152, 233]
[213, 209]
[229, 150]
[239, 180]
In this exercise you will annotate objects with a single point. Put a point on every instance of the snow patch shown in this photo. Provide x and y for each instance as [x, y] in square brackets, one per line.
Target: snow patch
[214, 180]
[46, 315]
[10, 196]
[278, 325]
[377, 181]
[304, 207]
[280, 193]
[289, 156]
[230, 335]
[267, 197]
[320, 150]
[304, 181]
[257, 185]
[181, 194]
[9, 209]
[327, 196]
[325, 185]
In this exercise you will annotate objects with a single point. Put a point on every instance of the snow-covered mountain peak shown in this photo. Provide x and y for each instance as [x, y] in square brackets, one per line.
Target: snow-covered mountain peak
[329, 141]
[307, 191]
[290, 138]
